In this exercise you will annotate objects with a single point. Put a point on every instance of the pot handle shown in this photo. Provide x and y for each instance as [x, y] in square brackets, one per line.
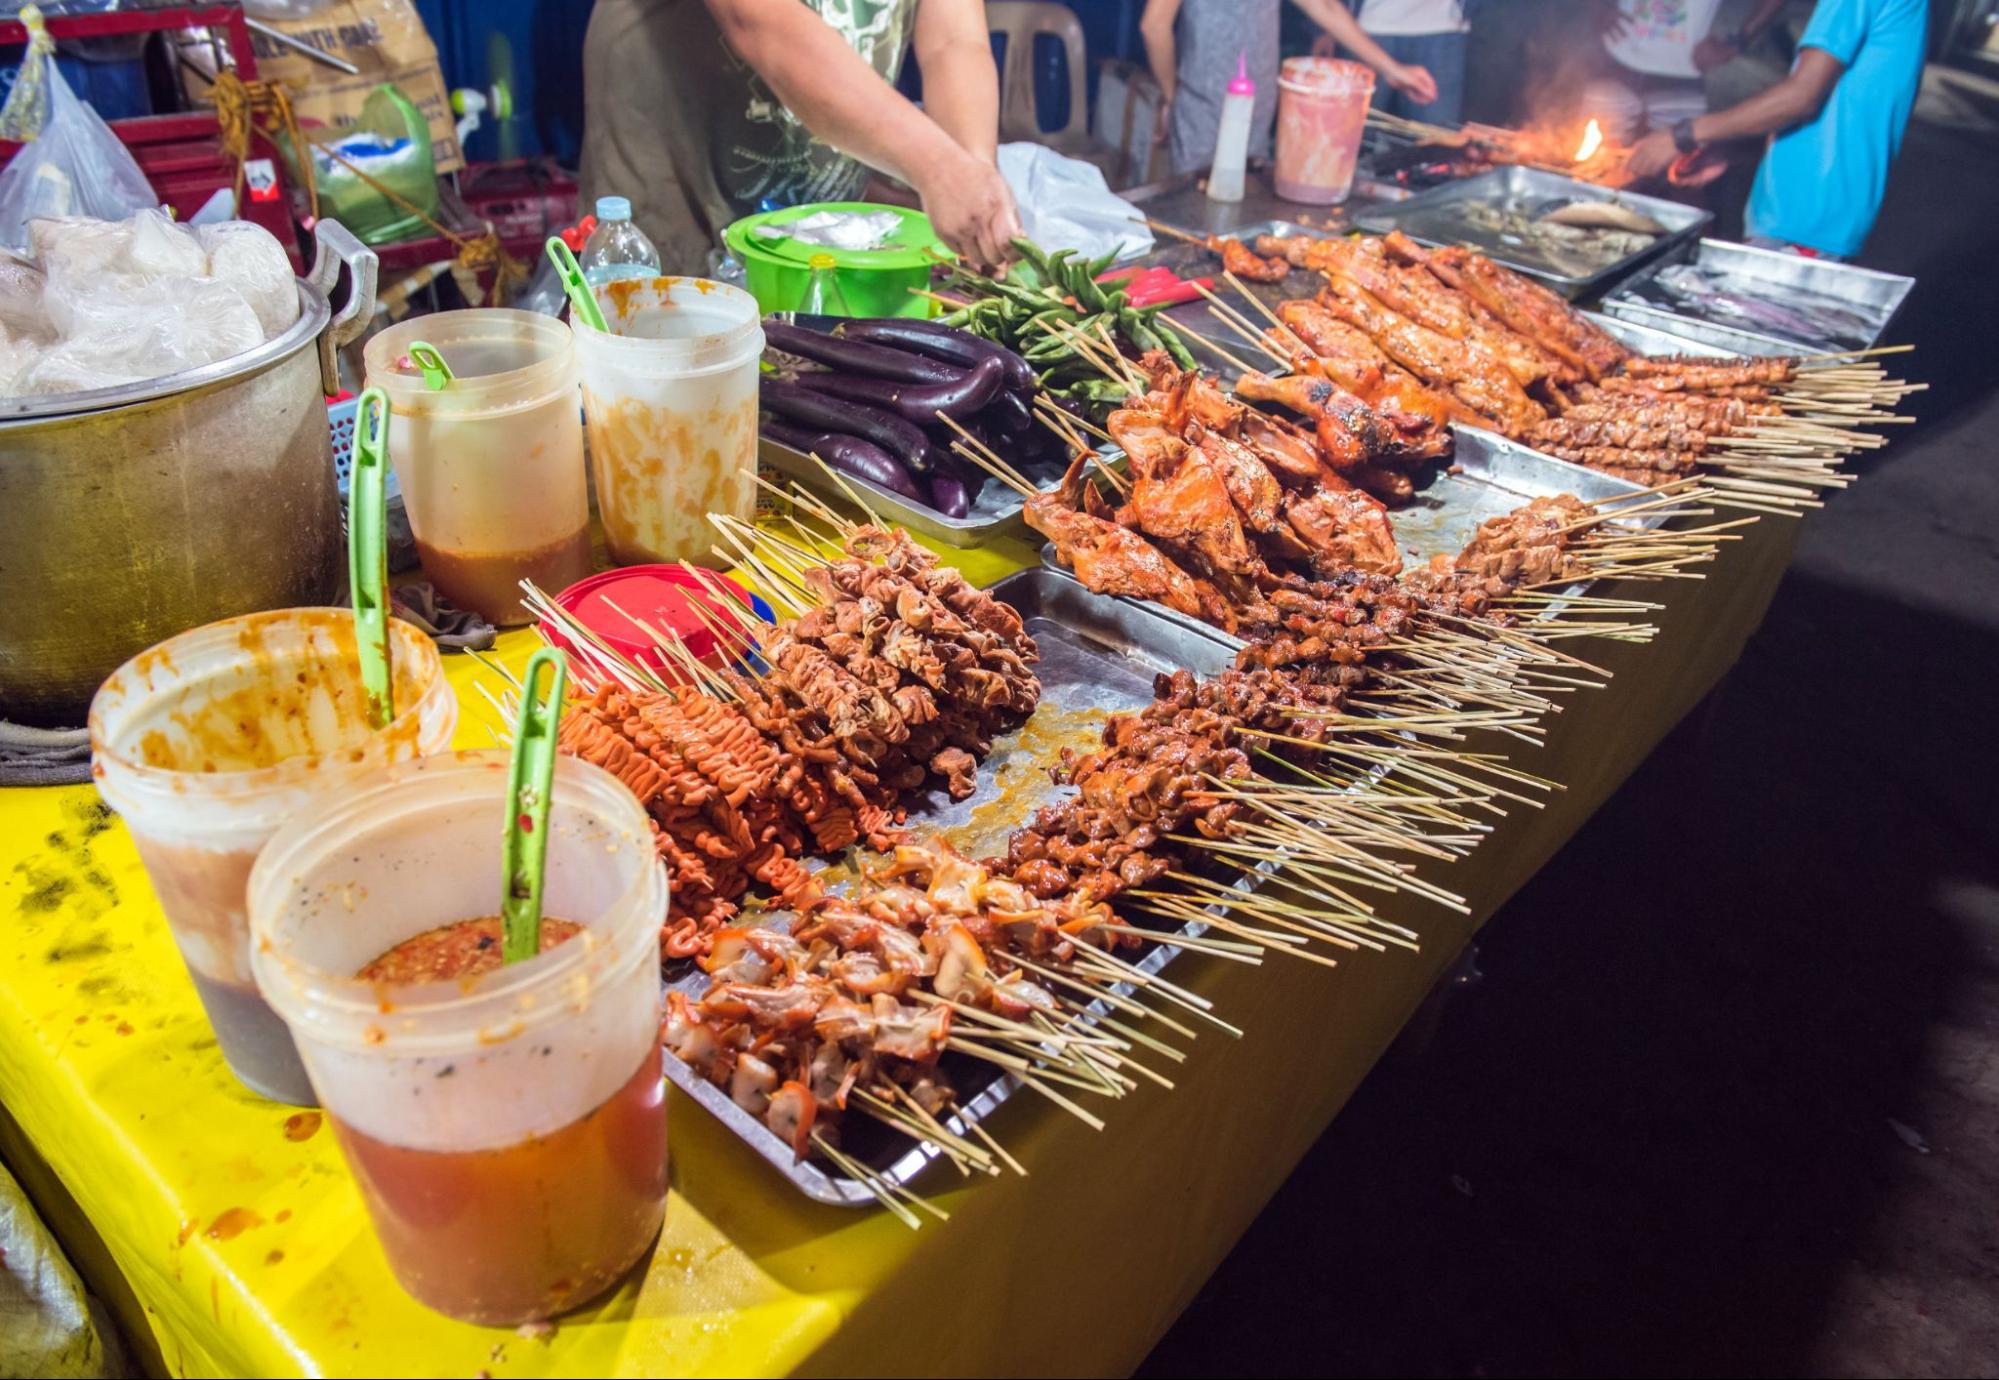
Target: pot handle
[338, 248]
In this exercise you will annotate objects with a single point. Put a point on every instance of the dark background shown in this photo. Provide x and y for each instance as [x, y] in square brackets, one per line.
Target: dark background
[1727, 1100]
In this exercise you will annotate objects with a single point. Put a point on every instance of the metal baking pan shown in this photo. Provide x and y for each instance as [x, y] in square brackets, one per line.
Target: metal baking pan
[1875, 297]
[1098, 658]
[1440, 216]
[1494, 476]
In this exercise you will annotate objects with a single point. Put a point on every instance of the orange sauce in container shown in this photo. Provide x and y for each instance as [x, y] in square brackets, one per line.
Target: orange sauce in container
[525, 1230]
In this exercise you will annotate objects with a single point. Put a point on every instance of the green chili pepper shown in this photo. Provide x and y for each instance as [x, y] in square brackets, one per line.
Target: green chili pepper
[1175, 346]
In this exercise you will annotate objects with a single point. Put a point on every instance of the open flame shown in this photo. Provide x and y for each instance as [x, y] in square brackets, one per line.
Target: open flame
[1592, 141]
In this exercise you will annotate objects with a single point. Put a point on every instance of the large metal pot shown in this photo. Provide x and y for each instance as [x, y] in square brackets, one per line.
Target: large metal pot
[130, 514]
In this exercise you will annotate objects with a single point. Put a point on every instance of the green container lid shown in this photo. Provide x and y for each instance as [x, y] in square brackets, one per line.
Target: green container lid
[875, 282]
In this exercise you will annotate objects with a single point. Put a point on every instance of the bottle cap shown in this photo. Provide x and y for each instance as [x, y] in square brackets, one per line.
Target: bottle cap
[1240, 86]
[822, 261]
[614, 208]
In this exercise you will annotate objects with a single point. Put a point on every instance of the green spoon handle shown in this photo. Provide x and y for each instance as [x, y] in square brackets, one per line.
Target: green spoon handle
[367, 552]
[582, 300]
[530, 784]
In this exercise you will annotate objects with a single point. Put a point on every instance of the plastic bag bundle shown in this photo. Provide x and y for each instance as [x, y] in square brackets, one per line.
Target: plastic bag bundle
[116, 302]
[21, 310]
[156, 326]
[70, 163]
[246, 258]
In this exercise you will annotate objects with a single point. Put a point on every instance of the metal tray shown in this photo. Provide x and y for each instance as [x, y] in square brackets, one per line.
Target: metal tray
[1495, 476]
[1876, 296]
[1098, 657]
[1438, 217]
[1650, 340]
[995, 513]
[1198, 261]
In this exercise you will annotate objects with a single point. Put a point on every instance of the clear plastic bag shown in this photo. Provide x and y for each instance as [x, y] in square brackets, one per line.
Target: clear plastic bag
[72, 164]
[155, 327]
[247, 258]
[1064, 203]
[21, 310]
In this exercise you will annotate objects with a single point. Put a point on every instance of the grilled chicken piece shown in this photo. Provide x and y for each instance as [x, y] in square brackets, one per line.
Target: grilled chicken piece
[1287, 451]
[1346, 530]
[1250, 484]
[1237, 259]
[1114, 560]
[1348, 432]
[1523, 305]
[1473, 374]
[1179, 497]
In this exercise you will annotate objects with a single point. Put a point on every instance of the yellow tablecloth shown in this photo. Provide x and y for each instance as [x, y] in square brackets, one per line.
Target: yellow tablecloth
[226, 1233]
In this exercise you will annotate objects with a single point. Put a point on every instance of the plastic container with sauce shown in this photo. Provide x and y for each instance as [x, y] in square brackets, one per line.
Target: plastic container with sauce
[208, 742]
[1321, 112]
[508, 1130]
[670, 404]
[490, 465]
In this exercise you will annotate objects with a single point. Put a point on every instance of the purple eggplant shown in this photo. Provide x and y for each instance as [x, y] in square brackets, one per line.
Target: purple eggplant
[916, 402]
[947, 343]
[969, 477]
[899, 437]
[1010, 414]
[856, 356]
[948, 495]
[848, 454]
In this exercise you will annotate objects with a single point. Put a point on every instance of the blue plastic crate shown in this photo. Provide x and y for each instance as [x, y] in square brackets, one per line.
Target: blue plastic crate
[401, 541]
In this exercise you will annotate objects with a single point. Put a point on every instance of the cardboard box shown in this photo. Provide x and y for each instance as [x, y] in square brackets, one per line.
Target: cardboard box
[386, 39]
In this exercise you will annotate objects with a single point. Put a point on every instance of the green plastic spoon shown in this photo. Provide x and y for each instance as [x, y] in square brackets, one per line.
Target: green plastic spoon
[582, 301]
[368, 555]
[530, 783]
[436, 373]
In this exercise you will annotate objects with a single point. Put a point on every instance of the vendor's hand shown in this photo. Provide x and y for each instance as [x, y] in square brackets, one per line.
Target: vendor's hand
[1162, 123]
[1711, 53]
[1414, 82]
[1652, 154]
[971, 208]
[1609, 19]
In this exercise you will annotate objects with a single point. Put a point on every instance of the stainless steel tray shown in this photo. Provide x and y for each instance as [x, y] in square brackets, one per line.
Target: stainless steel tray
[1651, 340]
[1438, 217]
[1874, 295]
[995, 513]
[1098, 657]
[1495, 476]
[1198, 261]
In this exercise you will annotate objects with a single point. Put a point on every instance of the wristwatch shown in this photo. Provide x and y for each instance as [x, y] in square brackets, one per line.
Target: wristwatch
[1683, 136]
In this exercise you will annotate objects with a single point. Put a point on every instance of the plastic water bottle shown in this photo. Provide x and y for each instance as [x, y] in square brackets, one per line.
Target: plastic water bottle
[823, 295]
[617, 248]
[1225, 178]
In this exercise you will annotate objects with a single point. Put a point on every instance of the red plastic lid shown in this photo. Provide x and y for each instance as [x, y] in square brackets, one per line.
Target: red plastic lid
[658, 595]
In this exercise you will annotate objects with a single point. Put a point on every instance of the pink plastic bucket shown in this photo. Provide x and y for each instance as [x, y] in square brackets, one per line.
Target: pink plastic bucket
[1321, 110]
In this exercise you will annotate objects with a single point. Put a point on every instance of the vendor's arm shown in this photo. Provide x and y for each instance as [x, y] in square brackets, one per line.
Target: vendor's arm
[1414, 82]
[1155, 27]
[1715, 49]
[842, 100]
[1792, 101]
[960, 80]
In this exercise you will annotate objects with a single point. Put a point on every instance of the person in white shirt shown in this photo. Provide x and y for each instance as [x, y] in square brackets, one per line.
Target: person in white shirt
[1656, 52]
[1431, 34]
[1649, 79]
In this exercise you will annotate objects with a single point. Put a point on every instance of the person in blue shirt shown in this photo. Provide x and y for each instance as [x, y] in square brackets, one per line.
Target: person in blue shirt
[1838, 119]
